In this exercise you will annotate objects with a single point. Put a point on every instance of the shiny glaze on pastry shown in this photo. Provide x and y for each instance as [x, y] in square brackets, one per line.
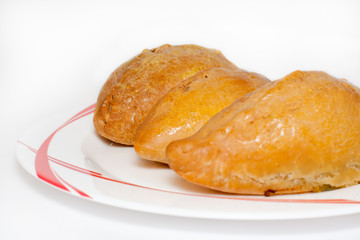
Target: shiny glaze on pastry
[294, 135]
[188, 106]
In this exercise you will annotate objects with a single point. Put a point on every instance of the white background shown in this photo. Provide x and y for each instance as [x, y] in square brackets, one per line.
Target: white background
[56, 55]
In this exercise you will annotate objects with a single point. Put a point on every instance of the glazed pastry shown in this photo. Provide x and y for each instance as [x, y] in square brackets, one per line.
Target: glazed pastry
[134, 87]
[298, 134]
[188, 106]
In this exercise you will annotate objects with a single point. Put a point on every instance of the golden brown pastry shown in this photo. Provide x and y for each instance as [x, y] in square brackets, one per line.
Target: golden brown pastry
[134, 87]
[298, 134]
[188, 106]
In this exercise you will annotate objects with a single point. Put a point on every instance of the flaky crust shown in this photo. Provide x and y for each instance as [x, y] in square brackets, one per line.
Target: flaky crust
[189, 105]
[298, 134]
[134, 87]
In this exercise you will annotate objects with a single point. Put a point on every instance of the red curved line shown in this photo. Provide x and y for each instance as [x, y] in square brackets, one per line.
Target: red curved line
[84, 112]
[234, 198]
[76, 189]
[44, 169]
[42, 166]
[62, 163]
[76, 117]
[68, 165]
[98, 175]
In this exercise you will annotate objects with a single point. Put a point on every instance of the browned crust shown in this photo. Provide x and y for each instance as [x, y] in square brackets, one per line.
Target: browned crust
[133, 88]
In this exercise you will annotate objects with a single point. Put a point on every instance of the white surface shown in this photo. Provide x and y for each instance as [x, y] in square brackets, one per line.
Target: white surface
[120, 178]
[53, 53]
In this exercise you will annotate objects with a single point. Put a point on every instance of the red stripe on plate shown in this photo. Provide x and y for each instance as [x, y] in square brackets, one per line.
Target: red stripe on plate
[42, 166]
[44, 172]
[98, 175]
[62, 163]
[81, 193]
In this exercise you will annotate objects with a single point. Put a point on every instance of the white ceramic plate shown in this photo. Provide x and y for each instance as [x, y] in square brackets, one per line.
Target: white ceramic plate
[66, 153]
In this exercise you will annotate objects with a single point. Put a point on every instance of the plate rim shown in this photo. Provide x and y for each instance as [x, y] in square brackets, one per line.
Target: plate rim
[173, 211]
